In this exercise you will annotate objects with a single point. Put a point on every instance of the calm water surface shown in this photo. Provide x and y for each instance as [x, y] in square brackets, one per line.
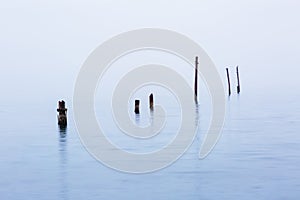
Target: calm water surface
[257, 157]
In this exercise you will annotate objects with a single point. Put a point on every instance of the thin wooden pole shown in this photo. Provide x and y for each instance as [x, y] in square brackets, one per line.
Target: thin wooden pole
[238, 80]
[228, 79]
[196, 78]
[137, 106]
[151, 101]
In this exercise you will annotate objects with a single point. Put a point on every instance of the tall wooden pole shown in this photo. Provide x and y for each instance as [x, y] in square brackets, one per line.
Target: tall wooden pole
[196, 78]
[228, 79]
[238, 80]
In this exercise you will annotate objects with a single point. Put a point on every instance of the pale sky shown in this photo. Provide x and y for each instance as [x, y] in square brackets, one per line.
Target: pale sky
[44, 43]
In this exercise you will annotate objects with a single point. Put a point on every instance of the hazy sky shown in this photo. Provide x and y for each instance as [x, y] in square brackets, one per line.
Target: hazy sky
[44, 43]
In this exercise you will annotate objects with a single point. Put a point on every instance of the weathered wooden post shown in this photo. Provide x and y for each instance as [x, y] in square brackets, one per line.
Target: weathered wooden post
[137, 107]
[238, 80]
[228, 78]
[196, 78]
[151, 99]
[62, 113]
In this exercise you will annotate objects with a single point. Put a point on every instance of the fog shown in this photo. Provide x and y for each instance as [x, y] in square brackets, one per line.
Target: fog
[44, 43]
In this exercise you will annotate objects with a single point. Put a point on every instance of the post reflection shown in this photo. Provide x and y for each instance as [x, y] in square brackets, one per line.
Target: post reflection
[62, 135]
[63, 154]
[196, 114]
[137, 119]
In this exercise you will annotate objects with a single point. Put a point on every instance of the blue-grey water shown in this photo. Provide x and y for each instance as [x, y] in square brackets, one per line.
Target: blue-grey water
[256, 157]
[44, 43]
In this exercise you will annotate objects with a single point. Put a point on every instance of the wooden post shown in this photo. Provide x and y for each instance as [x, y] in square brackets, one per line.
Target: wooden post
[151, 99]
[238, 80]
[228, 78]
[196, 78]
[62, 113]
[137, 107]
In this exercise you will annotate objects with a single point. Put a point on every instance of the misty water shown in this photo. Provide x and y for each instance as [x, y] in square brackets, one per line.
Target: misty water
[43, 45]
[257, 155]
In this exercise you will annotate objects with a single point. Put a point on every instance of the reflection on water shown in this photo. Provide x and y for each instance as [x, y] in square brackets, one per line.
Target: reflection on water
[62, 135]
[63, 165]
[196, 114]
[137, 119]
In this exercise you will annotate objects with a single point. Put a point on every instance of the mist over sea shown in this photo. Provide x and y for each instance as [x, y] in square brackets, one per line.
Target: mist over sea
[43, 46]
